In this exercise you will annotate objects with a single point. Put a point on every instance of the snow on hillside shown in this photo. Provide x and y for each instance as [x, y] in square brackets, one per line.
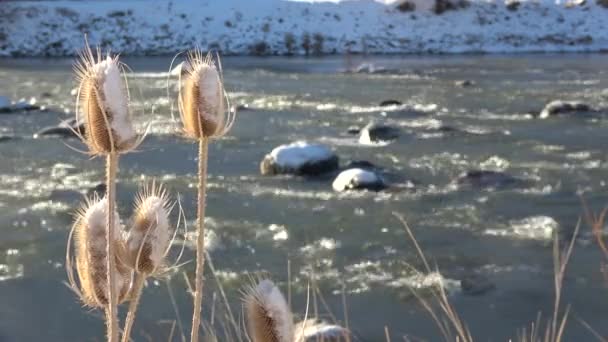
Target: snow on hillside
[57, 28]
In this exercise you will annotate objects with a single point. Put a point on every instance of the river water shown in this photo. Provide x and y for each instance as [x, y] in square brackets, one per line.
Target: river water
[347, 243]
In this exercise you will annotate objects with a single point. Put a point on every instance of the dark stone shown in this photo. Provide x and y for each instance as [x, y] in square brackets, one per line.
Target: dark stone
[361, 164]
[65, 196]
[320, 167]
[465, 83]
[242, 107]
[99, 190]
[19, 108]
[476, 285]
[353, 130]
[513, 5]
[487, 179]
[5, 138]
[375, 132]
[65, 129]
[406, 6]
[387, 103]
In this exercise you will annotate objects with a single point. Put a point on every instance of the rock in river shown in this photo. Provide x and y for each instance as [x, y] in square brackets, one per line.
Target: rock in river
[376, 132]
[487, 179]
[387, 103]
[358, 179]
[559, 107]
[300, 158]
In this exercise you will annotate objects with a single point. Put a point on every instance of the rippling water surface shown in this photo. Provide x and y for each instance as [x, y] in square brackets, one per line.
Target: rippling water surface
[345, 242]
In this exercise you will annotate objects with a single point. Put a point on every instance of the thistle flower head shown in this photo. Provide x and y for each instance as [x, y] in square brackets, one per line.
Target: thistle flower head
[149, 237]
[102, 103]
[204, 106]
[91, 255]
[268, 316]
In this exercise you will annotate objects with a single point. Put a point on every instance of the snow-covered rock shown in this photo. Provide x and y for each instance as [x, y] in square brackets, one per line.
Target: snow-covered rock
[358, 179]
[559, 107]
[300, 158]
[375, 133]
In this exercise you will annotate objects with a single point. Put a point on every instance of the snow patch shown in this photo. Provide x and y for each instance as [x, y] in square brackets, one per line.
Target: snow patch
[296, 154]
[354, 178]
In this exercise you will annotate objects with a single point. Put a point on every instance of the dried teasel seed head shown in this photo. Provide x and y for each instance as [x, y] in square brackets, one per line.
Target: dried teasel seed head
[149, 238]
[204, 106]
[91, 255]
[102, 103]
[268, 316]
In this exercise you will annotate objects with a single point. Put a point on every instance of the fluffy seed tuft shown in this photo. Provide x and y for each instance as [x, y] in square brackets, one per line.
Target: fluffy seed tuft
[103, 104]
[91, 255]
[268, 317]
[149, 237]
[203, 102]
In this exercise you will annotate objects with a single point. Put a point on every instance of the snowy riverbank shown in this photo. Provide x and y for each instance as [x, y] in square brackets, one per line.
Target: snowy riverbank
[57, 28]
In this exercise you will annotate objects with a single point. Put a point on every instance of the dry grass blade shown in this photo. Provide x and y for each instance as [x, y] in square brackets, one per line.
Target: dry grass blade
[451, 327]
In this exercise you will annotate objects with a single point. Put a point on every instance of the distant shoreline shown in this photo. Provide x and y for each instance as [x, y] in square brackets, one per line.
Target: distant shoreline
[273, 27]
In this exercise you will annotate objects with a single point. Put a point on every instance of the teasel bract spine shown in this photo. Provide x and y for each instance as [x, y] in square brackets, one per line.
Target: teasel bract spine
[89, 239]
[206, 115]
[267, 313]
[102, 102]
[147, 244]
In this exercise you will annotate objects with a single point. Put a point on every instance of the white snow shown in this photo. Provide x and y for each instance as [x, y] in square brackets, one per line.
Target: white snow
[115, 98]
[261, 27]
[296, 154]
[533, 228]
[211, 92]
[155, 210]
[350, 178]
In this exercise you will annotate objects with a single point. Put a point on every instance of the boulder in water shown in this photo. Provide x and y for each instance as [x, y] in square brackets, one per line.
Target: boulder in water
[358, 179]
[559, 107]
[353, 130]
[387, 103]
[476, 285]
[300, 158]
[5, 138]
[486, 179]
[465, 83]
[376, 132]
[23, 105]
[98, 190]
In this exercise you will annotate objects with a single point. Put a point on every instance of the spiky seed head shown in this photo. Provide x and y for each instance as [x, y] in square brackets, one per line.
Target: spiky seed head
[268, 316]
[149, 237]
[203, 101]
[103, 104]
[91, 255]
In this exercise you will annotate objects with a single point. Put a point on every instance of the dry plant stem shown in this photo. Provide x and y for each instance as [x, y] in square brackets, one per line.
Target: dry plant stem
[200, 240]
[111, 309]
[134, 302]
